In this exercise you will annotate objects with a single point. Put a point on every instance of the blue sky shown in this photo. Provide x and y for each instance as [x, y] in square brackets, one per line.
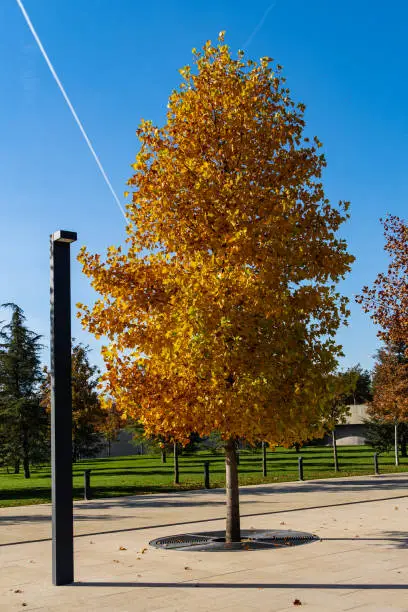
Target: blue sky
[119, 60]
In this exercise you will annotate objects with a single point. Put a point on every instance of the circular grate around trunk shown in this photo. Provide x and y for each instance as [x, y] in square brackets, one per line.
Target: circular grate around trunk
[212, 541]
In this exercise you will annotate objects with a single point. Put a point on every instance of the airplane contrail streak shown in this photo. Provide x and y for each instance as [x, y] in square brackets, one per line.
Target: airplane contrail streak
[70, 106]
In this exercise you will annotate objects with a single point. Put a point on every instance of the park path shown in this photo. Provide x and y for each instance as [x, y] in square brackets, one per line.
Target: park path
[360, 564]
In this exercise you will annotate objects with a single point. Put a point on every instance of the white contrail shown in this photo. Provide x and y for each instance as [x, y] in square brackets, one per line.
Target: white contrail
[258, 27]
[71, 108]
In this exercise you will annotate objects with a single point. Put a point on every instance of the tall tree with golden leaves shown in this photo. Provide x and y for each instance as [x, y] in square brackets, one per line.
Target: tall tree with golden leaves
[222, 309]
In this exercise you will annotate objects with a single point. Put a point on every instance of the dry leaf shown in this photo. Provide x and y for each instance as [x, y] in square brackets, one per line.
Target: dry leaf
[297, 602]
[122, 548]
[116, 561]
[187, 568]
[18, 591]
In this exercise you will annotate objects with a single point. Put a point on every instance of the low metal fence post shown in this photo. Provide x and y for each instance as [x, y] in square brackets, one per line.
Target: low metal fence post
[376, 472]
[87, 485]
[264, 466]
[300, 467]
[207, 474]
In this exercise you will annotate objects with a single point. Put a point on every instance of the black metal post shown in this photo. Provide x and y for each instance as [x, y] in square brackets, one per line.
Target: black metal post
[61, 410]
[264, 466]
[300, 466]
[376, 472]
[87, 485]
[176, 465]
[207, 474]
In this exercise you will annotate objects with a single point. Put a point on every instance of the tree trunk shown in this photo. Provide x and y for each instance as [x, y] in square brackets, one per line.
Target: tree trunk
[26, 465]
[176, 465]
[396, 443]
[163, 455]
[233, 529]
[109, 448]
[26, 460]
[17, 466]
[297, 447]
[336, 461]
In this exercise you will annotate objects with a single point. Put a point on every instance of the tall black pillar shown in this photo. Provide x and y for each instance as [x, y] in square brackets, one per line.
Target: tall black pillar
[61, 410]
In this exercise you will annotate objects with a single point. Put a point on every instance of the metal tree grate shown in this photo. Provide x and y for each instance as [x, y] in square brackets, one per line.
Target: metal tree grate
[250, 540]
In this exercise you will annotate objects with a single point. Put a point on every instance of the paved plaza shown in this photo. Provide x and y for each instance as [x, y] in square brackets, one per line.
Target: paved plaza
[361, 562]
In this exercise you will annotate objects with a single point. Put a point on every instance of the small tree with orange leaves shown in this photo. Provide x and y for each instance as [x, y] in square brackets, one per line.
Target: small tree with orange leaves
[390, 385]
[222, 310]
[111, 420]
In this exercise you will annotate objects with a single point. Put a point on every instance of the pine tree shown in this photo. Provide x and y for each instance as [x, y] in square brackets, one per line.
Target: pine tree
[87, 413]
[24, 424]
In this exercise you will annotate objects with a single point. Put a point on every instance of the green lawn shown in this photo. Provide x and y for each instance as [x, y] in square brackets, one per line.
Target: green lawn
[120, 476]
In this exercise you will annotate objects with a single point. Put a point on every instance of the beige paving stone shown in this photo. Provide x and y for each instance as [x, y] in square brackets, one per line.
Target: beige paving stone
[361, 561]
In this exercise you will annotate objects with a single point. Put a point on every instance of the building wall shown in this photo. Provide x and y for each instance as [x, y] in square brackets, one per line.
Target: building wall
[122, 447]
[347, 435]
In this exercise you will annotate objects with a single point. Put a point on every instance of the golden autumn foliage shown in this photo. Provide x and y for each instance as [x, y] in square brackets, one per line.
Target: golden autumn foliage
[221, 311]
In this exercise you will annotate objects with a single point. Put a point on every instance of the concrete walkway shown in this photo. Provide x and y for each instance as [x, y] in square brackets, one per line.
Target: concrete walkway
[360, 564]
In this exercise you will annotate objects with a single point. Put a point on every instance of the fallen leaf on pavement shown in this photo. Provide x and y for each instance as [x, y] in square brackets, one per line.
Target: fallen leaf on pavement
[122, 548]
[297, 602]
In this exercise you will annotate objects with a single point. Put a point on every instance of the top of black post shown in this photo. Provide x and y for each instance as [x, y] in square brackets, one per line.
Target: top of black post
[64, 236]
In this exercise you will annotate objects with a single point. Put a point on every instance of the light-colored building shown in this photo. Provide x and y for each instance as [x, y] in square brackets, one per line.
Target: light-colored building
[353, 431]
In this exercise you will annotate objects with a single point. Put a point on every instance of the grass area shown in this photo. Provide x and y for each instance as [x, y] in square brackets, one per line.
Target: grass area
[120, 476]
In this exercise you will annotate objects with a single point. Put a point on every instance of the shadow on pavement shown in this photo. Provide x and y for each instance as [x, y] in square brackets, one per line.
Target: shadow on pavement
[247, 585]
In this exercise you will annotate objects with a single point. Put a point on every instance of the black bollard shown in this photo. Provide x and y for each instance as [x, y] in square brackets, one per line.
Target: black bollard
[376, 472]
[206, 474]
[264, 466]
[176, 464]
[87, 485]
[300, 466]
